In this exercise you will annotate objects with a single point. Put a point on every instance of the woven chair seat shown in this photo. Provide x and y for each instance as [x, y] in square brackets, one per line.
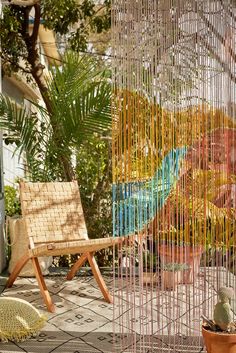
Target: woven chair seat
[73, 247]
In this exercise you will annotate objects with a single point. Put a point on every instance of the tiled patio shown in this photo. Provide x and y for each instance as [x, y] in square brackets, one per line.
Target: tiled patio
[83, 322]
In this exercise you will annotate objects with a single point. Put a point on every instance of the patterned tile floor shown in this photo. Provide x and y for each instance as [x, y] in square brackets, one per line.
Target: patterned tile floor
[83, 321]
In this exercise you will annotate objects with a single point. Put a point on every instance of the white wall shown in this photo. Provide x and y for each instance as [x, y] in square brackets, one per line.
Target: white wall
[13, 166]
[10, 168]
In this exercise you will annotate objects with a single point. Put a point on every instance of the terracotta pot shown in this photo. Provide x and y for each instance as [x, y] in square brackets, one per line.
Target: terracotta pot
[184, 254]
[150, 278]
[218, 342]
[170, 279]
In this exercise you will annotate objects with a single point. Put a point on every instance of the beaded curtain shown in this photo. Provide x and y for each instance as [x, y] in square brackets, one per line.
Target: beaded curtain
[174, 164]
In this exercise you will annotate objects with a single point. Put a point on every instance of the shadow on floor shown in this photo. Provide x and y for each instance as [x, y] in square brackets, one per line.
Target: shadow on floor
[83, 322]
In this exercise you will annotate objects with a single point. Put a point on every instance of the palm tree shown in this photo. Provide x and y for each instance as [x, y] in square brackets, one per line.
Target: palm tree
[77, 106]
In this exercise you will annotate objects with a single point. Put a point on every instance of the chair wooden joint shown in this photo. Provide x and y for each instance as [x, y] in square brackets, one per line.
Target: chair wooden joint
[51, 247]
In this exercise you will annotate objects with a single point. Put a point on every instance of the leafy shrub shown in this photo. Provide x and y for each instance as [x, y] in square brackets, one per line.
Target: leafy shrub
[174, 267]
[12, 202]
[94, 175]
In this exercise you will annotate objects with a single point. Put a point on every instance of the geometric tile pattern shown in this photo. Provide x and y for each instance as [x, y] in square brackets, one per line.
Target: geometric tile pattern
[84, 322]
[168, 321]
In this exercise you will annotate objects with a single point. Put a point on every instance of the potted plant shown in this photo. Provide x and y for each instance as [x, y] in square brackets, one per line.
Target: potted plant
[179, 235]
[174, 246]
[182, 254]
[171, 274]
[219, 334]
[182, 236]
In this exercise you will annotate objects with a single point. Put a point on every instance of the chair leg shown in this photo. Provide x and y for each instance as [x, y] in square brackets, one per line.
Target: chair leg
[76, 266]
[18, 267]
[42, 285]
[98, 276]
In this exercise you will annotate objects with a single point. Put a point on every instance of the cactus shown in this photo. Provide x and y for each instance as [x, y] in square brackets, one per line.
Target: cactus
[223, 312]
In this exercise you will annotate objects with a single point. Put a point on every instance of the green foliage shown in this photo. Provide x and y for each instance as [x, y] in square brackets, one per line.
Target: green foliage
[71, 18]
[93, 172]
[99, 24]
[87, 9]
[12, 43]
[12, 203]
[174, 267]
[59, 15]
[150, 260]
[78, 39]
[93, 19]
[93, 167]
[79, 96]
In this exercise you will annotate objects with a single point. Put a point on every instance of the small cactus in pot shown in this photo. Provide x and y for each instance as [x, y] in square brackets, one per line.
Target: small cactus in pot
[223, 317]
[220, 333]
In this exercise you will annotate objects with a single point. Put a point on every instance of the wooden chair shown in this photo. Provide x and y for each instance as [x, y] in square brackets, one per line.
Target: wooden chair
[55, 225]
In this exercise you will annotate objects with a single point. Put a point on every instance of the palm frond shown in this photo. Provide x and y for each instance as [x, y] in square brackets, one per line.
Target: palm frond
[79, 95]
[19, 126]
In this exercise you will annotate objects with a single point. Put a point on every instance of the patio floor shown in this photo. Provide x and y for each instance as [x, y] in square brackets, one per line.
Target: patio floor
[83, 321]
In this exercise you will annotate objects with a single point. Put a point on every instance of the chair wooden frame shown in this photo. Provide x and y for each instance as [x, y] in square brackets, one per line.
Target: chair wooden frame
[55, 225]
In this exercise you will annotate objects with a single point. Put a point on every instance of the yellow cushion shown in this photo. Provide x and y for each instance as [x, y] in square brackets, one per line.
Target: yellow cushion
[19, 319]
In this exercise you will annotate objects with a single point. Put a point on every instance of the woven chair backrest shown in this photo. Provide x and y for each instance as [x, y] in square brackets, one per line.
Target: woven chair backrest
[52, 212]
